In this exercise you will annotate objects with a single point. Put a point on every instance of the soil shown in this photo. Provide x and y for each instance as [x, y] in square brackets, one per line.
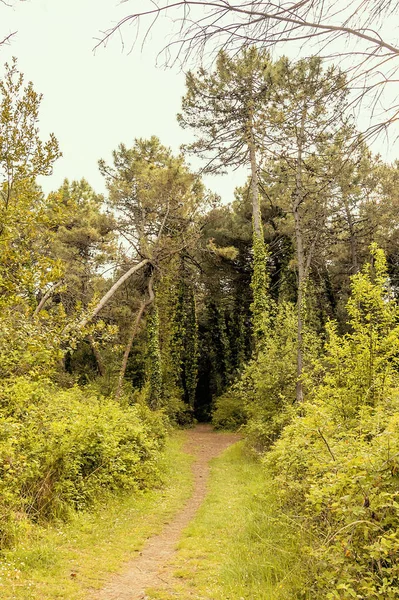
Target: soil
[150, 568]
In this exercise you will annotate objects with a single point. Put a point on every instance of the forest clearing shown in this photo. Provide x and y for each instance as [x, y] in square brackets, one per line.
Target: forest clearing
[199, 382]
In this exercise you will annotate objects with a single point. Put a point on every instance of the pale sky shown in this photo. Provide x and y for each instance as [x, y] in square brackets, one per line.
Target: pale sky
[94, 101]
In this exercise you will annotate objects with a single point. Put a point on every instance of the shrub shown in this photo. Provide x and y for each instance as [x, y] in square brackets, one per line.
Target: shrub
[337, 462]
[263, 396]
[229, 411]
[61, 449]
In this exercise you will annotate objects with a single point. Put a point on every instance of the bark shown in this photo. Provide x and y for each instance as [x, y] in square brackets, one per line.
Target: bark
[112, 291]
[255, 190]
[301, 284]
[47, 296]
[257, 220]
[143, 307]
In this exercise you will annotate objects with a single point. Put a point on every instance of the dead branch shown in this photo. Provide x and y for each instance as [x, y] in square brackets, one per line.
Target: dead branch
[354, 29]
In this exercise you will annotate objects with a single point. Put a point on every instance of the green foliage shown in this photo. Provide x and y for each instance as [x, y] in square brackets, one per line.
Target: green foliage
[336, 463]
[190, 346]
[81, 236]
[171, 331]
[62, 449]
[154, 367]
[229, 411]
[261, 303]
[26, 346]
[23, 157]
[263, 396]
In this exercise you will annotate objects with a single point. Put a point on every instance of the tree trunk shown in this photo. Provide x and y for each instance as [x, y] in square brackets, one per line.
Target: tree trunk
[47, 296]
[352, 237]
[296, 210]
[143, 306]
[112, 291]
[301, 284]
[258, 230]
[257, 220]
[97, 356]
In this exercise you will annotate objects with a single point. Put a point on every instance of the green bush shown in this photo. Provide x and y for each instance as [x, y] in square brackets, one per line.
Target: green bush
[262, 398]
[337, 462]
[229, 411]
[61, 449]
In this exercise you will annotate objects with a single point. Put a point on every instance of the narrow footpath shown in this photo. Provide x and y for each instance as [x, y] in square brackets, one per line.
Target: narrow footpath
[150, 567]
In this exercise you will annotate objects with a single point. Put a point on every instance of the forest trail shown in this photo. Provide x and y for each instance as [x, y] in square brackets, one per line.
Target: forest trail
[150, 567]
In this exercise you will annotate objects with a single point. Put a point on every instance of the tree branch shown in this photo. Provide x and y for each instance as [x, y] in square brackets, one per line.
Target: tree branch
[112, 291]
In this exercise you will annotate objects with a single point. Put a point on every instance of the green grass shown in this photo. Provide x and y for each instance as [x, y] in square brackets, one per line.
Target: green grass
[240, 545]
[69, 560]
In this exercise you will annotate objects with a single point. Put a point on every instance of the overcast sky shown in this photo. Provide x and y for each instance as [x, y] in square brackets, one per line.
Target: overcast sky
[94, 101]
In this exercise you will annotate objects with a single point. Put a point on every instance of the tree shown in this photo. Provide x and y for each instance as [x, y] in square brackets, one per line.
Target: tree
[308, 105]
[5, 38]
[157, 201]
[81, 237]
[227, 111]
[25, 266]
[371, 55]
[154, 360]
[23, 154]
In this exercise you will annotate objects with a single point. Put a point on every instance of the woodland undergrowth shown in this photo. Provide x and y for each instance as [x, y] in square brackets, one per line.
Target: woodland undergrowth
[62, 451]
[334, 458]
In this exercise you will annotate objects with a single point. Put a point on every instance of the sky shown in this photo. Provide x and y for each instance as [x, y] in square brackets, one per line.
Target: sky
[93, 101]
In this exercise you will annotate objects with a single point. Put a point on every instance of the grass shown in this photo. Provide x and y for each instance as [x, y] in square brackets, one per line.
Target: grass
[240, 546]
[69, 560]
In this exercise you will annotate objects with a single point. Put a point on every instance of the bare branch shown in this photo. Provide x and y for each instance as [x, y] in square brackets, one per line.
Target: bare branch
[7, 38]
[355, 29]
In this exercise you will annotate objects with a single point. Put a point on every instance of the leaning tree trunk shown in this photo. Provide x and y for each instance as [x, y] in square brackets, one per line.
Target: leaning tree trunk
[47, 296]
[143, 307]
[111, 292]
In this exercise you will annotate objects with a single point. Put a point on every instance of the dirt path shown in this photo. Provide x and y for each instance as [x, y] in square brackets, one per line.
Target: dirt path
[148, 569]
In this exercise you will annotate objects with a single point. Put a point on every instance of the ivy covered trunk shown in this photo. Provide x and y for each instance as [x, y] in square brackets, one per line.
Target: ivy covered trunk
[154, 366]
[260, 305]
[190, 341]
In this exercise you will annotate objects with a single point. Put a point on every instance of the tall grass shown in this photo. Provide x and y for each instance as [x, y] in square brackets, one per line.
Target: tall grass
[240, 545]
[66, 561]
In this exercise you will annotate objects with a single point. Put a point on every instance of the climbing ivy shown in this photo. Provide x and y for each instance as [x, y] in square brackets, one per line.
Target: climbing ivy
[154, 363]
[260, 306]
[190, 364]
[170, 333]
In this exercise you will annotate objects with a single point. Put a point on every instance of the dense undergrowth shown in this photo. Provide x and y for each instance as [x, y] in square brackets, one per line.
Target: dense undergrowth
[71, 559]
[335, 458]
[61, 450]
